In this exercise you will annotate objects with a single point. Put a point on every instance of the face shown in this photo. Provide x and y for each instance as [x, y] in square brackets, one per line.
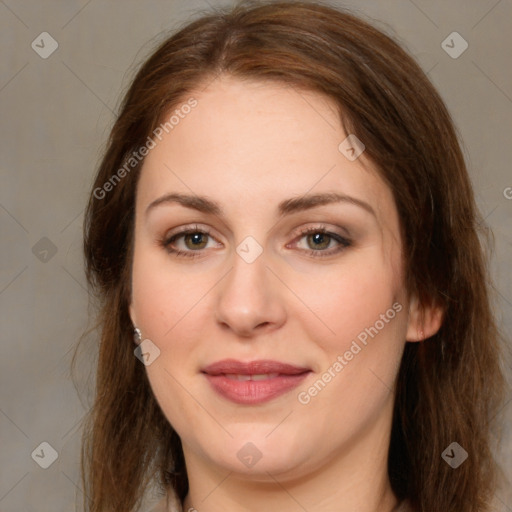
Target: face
[280, 319]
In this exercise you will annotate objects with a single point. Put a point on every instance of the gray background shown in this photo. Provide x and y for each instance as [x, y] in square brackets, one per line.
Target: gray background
[55, 118]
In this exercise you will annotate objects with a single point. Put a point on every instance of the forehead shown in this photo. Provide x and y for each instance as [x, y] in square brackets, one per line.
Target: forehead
[253, 144]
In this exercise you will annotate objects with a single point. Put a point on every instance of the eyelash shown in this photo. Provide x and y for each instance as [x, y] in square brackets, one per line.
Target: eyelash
[344, 242]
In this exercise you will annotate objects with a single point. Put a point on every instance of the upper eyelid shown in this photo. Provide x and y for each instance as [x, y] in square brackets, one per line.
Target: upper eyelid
[197, 227]
[187, 230]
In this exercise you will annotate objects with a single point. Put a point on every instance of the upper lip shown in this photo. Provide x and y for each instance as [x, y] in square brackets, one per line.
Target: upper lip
[259, 367]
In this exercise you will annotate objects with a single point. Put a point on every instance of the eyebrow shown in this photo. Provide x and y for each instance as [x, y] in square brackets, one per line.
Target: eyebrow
[286, 207]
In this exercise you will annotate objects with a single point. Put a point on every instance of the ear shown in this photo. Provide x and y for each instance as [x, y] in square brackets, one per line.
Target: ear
[424, 320]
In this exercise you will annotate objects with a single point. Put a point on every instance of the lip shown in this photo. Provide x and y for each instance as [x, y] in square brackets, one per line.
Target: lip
[232, 379]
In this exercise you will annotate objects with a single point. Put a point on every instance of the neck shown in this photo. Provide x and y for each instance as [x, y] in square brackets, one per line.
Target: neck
[353, 479]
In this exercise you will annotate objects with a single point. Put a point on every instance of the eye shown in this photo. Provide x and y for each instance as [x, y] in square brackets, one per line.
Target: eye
[320, 239]
[194, 240]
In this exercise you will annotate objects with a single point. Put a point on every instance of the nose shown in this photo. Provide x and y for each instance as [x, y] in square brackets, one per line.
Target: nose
[249, 299]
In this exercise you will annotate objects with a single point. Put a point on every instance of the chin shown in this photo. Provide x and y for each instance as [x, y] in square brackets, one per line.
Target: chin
[255, 454]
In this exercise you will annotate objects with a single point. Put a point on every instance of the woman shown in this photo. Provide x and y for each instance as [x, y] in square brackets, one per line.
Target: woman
[284, 224]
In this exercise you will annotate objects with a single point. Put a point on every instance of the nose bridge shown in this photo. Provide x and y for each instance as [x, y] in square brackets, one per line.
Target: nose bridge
[247, 283]
[248, 298]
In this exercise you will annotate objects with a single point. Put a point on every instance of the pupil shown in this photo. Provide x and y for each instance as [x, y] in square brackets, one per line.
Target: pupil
[196, 238]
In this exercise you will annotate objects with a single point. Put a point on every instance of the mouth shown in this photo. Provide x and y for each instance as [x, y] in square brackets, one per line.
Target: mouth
[253, 382]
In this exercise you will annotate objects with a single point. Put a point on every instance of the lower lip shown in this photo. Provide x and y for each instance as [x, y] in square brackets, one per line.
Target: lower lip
[253, 392]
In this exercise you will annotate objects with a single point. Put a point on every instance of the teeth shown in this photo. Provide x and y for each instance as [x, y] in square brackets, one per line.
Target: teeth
[264, 376]
[261, 376]
[239, 377]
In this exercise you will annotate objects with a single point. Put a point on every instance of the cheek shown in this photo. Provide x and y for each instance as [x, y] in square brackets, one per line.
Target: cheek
[167, 305]
[164, 298]
[364, 307]
[353, 298]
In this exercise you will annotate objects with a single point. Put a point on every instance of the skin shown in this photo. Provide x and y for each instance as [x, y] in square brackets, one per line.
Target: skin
[249, 146]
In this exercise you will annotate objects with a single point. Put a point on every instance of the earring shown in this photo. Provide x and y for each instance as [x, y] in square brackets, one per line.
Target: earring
[422, 335]
[137, 336]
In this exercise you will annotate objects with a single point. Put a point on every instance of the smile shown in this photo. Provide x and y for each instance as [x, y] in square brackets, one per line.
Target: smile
[254, 382]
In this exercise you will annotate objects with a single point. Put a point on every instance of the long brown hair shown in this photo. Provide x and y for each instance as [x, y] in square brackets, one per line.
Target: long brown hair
[449, 387]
